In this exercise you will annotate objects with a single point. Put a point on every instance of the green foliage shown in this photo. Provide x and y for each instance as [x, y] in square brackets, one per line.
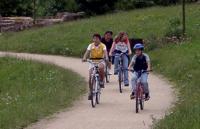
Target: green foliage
[51, 7]
[96, 6]
[43, 7]
[31, 91]
[15, 7]
[174, 28]
[131, 4]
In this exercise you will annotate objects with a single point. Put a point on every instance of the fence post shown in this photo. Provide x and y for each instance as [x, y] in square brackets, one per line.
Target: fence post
[183, 16]
[34, 11]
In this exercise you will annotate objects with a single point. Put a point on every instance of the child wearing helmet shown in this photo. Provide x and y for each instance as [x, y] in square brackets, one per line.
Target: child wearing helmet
[139, 62]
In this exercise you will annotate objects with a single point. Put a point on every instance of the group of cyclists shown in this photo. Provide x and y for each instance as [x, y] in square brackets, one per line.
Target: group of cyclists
[109, 49]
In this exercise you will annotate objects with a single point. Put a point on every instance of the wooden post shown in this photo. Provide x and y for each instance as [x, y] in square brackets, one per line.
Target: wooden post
[183, 16]
[34, 11]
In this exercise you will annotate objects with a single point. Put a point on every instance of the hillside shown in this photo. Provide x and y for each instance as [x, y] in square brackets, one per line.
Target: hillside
[71, 38]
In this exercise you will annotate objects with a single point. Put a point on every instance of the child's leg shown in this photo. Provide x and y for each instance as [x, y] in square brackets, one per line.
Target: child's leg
[133, 81]
[125, 66]
[116, 65]
[144, 79]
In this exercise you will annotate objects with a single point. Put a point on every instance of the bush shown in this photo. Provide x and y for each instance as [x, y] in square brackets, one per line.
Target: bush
[131, 4]
[95, 6]
[174, 28]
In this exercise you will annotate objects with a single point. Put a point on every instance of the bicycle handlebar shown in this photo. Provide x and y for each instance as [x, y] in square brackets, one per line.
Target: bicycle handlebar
[142, 71]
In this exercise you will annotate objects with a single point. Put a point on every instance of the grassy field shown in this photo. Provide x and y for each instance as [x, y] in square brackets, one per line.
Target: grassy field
[181, 65]
[72, 38]
[30, 91]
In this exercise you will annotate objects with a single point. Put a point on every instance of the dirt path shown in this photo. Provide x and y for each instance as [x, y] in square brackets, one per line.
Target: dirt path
[116, 111]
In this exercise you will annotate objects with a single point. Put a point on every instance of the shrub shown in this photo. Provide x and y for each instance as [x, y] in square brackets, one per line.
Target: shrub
[95, 6]
[131, 4]
[174, 28]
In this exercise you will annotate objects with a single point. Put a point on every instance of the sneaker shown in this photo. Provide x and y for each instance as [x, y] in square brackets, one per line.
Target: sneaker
[147, 97]
[90, 96]
[115, 73]
[101, 83]
[126, 85]
[109, 72]
[132, 96]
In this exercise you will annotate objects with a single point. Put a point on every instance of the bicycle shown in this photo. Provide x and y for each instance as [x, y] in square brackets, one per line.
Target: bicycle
[121, 71]
[139, 92]
[95, 82]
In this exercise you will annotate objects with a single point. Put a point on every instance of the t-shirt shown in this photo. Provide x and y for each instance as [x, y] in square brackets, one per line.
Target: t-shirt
[146, 56]
[140, 62]
[107, 43]
[121, 46]
[96, 51]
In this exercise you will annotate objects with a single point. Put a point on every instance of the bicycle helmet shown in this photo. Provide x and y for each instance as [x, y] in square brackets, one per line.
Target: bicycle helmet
[139, 46]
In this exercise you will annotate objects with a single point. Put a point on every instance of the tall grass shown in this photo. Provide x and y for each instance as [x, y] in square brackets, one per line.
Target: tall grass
[30, 91]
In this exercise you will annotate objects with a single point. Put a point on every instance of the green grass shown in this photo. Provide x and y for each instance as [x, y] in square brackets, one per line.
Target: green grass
[181, 65]
[30, 91]
[72, 38]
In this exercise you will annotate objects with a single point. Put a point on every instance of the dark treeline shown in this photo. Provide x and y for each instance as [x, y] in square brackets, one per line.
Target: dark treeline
[91, 7]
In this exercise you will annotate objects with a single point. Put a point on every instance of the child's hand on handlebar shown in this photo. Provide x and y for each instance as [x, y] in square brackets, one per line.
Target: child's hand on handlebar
[84, 60]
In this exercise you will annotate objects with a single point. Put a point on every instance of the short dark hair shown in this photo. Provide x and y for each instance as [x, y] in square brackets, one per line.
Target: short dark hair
[108, 32]
[97, 35]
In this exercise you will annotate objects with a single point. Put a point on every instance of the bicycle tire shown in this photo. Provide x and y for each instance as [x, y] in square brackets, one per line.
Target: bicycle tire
[120, 80]
[107, 75]
[98, 95]
[141, 104]
[93, 100]
[137, 102]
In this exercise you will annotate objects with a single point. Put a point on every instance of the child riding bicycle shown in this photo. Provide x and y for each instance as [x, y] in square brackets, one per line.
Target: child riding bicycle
[140, 62]
[96, 51]
[121, 45]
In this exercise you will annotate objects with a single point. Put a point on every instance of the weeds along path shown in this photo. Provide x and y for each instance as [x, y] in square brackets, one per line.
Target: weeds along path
[116, 110]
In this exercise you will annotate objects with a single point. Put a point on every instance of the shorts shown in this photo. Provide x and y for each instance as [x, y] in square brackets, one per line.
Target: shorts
[92, 66]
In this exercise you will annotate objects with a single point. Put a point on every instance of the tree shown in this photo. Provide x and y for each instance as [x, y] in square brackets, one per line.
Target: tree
[95, 6]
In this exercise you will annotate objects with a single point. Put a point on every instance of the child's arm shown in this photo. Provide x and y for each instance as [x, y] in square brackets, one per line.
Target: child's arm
[129, 48]
[86, 55]
[132, 63]
[112, 49]
[148, 62]
[149, 66]
[105, 53]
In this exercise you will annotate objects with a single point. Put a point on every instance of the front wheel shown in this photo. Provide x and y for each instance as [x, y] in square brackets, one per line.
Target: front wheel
[120, 76]
[98, 95]
[94, 96]
[141, 104]
[107, 75]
